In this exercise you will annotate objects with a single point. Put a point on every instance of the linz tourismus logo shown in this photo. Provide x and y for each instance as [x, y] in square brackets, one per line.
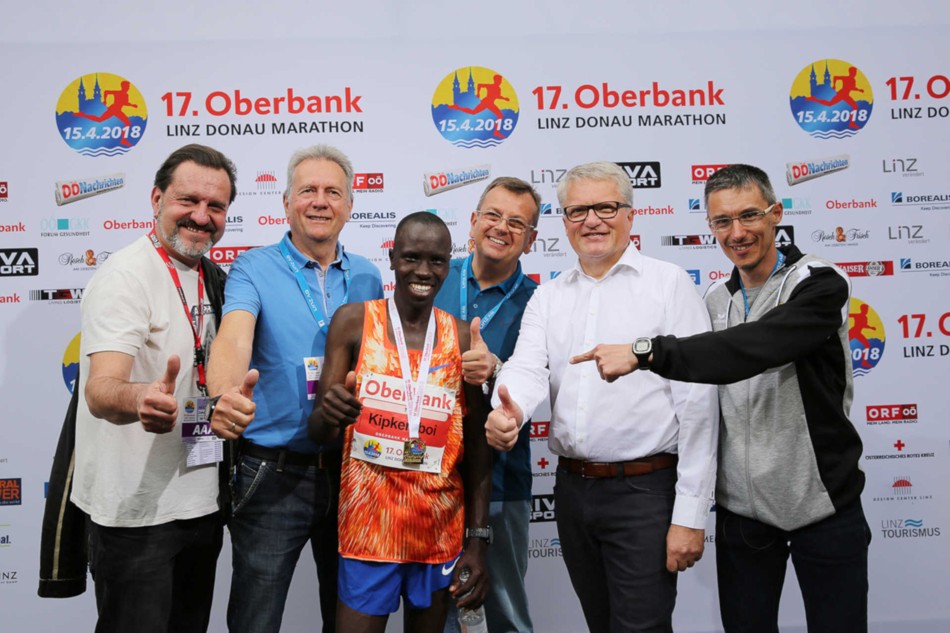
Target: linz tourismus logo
[645, 175]
[19, 262]
[108, 122]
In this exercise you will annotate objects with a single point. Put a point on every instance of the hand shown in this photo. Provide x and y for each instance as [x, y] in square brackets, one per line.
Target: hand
[478, 363]
[235, 409]
[613, 361]
[473, 559]
[504, 422]
[684, 547]
[158, 408]
[340, 406]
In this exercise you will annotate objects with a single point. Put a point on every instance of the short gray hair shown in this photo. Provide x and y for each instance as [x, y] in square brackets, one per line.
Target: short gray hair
[321, 152]
[602, 170]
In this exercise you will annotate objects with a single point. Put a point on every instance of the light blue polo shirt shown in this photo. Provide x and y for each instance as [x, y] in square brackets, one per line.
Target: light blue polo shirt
[261, 282]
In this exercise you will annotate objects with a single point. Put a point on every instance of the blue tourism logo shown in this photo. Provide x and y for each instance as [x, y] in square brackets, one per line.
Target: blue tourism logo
[108, 123]
[866, 332]
[836, 106]
[482, 114]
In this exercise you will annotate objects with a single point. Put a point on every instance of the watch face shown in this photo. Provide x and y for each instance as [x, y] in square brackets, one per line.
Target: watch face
[642, 346]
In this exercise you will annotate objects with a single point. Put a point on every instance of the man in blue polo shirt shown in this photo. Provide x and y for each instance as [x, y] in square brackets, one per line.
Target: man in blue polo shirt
[489, 288]
[278, 304]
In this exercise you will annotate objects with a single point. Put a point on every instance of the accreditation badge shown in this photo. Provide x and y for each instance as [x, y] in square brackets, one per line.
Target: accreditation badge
[313, 367]
[201, 444]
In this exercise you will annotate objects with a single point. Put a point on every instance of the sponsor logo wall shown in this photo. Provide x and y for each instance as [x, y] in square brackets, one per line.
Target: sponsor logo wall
[849, 140]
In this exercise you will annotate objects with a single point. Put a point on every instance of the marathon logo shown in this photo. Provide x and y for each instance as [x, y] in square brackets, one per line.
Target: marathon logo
[440, 181]
[796, 173]
[72, 190]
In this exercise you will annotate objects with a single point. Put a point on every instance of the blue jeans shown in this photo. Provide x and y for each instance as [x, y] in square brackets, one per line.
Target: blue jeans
[155, 579]
[506, 609]
[613, 537]
[831, 563]
[275, 513]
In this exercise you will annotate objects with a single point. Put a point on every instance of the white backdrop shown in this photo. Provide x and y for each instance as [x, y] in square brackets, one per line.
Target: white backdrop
[886, 214]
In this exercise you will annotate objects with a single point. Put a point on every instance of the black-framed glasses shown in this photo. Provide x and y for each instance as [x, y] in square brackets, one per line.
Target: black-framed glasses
[746, 218]
[603, 210]
[515, 225]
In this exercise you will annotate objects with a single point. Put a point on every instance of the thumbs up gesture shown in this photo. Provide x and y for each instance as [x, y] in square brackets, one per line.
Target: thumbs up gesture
[340, 406]
[235, 408]
[158, 408]
[478, 363]
[504, 422]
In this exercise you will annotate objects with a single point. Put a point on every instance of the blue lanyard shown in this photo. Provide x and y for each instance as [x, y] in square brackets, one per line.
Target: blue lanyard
[306, 292]
[463, 295]
[779, 262]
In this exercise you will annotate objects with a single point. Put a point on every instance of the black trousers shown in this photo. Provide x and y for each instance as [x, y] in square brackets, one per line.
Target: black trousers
[613, 537]
[155, 579]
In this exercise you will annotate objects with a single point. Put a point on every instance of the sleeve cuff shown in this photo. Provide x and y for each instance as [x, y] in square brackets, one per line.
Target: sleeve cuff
[691, 512]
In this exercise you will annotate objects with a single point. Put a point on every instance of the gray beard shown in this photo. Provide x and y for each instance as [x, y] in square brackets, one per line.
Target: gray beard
[174, 240]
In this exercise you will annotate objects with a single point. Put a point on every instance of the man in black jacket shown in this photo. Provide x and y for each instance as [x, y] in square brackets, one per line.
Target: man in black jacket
[788, 480]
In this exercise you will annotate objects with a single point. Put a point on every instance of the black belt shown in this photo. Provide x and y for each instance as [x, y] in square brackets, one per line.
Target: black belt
[596, 470]
[323, 460]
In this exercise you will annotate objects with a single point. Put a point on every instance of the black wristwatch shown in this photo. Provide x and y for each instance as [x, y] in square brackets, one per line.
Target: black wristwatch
[642, 348]
[482, 533]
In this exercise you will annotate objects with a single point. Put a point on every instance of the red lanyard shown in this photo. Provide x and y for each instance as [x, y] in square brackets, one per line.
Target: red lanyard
[199, 350]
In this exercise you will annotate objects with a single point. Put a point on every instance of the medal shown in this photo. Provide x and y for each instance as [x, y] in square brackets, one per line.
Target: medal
[414, 451]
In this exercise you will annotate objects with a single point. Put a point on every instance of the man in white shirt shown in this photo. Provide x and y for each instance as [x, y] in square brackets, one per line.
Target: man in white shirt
[636, 457]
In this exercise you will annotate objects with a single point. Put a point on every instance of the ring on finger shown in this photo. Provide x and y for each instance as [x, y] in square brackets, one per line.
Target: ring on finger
[232, 427]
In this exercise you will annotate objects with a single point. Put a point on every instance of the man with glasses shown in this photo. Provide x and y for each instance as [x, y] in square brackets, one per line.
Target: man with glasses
[637, 457]
[789, 482]
[489, 288]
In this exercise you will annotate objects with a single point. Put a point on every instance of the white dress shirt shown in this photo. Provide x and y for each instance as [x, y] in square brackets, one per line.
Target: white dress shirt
[637, 415]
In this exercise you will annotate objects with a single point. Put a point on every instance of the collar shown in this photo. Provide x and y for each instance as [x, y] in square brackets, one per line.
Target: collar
[631, 258]
[342, 260]
[504, 286]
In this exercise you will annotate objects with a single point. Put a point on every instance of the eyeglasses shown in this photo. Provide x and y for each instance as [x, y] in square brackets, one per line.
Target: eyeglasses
[603, 210]
[746, 218]
[515, 225]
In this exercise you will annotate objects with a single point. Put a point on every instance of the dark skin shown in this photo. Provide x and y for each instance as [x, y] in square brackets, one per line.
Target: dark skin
[420, 261]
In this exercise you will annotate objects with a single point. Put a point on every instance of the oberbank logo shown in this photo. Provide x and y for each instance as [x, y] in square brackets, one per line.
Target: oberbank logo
[831, 99]
[866, 333]
[108, 122]
[475, 107]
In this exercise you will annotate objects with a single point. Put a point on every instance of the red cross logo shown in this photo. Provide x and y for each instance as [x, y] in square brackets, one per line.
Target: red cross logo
[543, 463]
[899, 445]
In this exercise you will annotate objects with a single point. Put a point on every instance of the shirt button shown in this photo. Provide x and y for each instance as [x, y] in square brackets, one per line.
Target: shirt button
[475, 305]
